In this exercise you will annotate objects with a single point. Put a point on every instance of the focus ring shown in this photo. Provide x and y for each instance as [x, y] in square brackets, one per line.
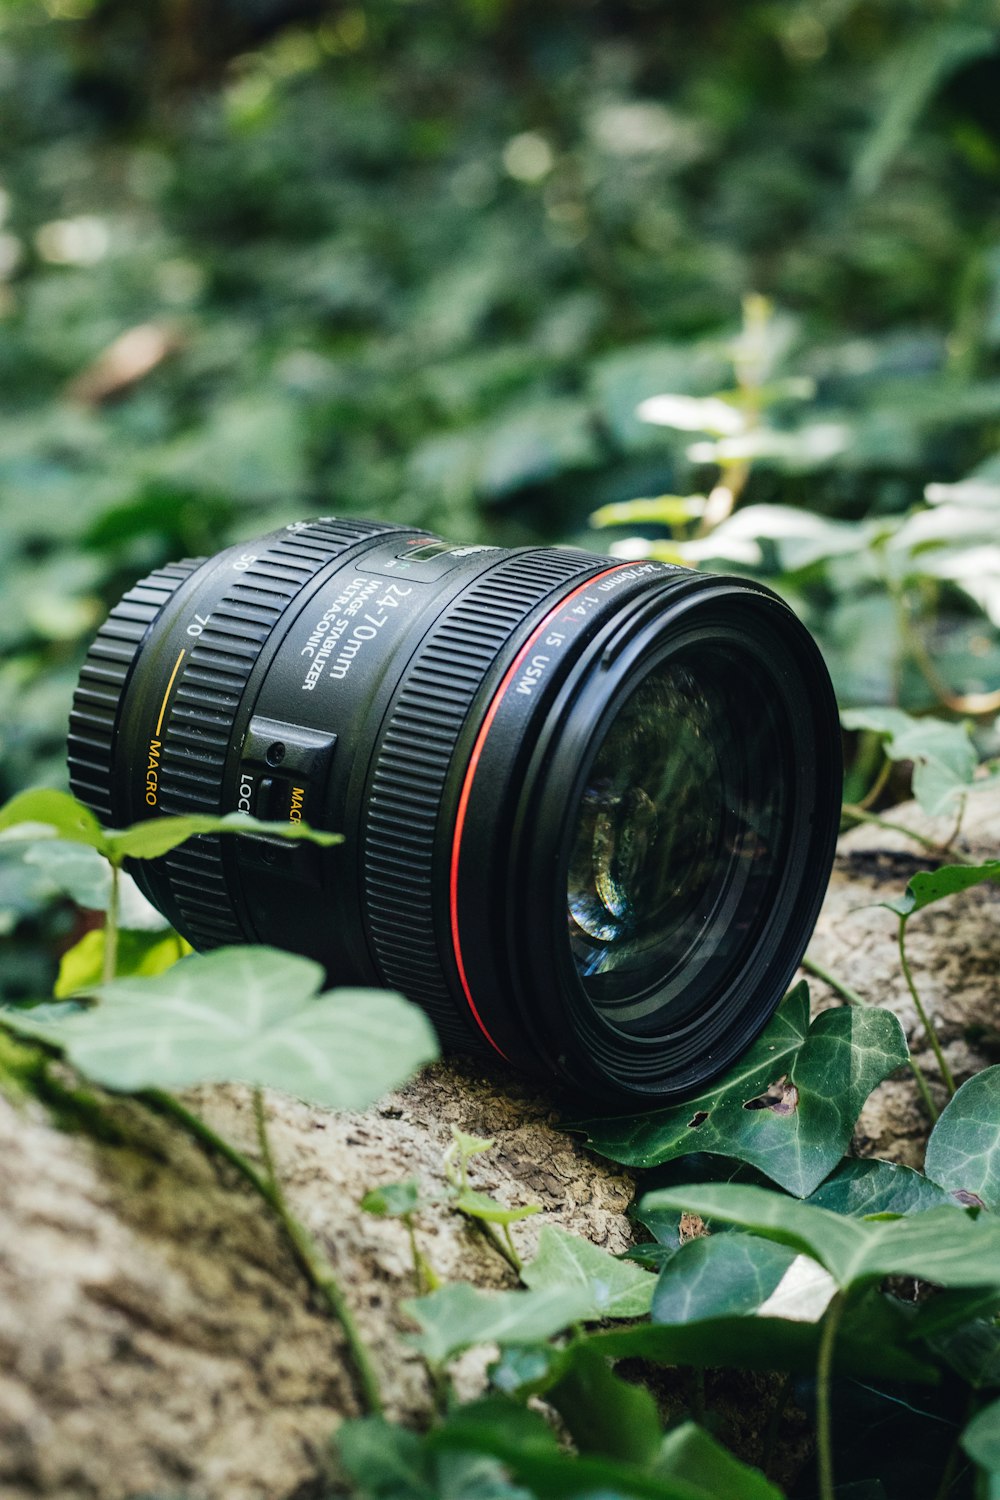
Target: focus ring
[411, 770]
[104, 677]
[199, 732]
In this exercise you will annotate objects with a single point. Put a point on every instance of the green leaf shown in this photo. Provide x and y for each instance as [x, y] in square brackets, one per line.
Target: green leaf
[469, 1145]
[155, 836]
[57, 815]
[459, 1315]
[860, 1187]
[981, 1439]
[944, 758]
[873, 1342]
[687, 1469]
[481, 1206]
[84, 875]
[604, 1413]
[787, 1107]
[385, 1461]
[963, 1153]
[139, 954]
[719, 1276]
[971, 1349]
[49, 814]
[606, 1287]
[929, 886]
[394, 1200]
[945, 1246]
[663, 510]
[690, 1453]
[250, 1015]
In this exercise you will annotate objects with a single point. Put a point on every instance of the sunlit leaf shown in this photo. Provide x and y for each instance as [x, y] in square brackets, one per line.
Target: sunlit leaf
[250, 1015]
[139, 954]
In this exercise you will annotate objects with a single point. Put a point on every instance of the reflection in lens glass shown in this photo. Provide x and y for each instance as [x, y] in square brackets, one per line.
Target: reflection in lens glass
[677, 836]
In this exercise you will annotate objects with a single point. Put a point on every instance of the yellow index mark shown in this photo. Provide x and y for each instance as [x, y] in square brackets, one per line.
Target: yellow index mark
[166, 696]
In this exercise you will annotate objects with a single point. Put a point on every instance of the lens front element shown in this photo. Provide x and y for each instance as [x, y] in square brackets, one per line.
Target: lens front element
[678, 836]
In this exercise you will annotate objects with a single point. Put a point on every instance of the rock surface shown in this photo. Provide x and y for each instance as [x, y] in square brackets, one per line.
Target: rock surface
[157, 1336]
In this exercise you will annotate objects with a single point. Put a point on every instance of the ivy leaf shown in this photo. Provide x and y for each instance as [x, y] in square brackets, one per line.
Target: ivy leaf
[688, 1468]
[689, 1453]
[963, 1153]
[394, 1200]
[139, 954]
[606, 1287]
[929, 886]
[719, 1276]
[873, 1342]
[48, 814]
[481, 1206]
[981, 1439]
[944, 757]
[859, 1188]
[945, 1246]
[83, 874]
[155, 836]
[604, 1413]
[459, 1315]
[787, 1107]
[56, 815]
[248, 1015]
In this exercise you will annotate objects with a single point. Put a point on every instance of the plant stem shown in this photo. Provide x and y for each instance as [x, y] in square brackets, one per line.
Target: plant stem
[872, 794]
[310, 1257]
[837, 985]
[861, 815]
[824, 1367]
[110, 965]
[932, 1036]
[501, 1246]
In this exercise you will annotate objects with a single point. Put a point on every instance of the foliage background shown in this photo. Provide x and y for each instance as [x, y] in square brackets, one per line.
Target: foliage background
[263, 258]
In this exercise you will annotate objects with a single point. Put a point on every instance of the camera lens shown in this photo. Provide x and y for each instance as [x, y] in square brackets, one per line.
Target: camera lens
[589, 807]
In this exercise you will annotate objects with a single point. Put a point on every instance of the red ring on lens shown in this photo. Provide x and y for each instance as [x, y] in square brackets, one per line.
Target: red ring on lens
[463, 801]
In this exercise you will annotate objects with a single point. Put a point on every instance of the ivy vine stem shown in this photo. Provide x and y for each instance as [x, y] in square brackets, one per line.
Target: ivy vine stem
[862, 815]
[946, 1074]
[839, 986]
[109, 967]
[310, 1257]
[824, 1371]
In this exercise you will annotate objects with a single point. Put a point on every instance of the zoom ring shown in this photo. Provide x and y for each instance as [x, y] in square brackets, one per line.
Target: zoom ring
[93, 720]
[411, 770]
[199, 731]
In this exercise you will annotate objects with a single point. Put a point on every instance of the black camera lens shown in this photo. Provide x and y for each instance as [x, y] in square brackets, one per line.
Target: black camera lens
[589, 807]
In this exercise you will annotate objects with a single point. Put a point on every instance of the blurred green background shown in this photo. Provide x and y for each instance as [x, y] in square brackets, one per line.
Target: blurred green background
[422, 261]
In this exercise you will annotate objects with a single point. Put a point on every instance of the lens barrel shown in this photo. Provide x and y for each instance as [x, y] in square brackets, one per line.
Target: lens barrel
[589, 807]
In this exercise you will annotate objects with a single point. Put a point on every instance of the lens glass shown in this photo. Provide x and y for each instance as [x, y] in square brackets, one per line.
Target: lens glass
[678, 837]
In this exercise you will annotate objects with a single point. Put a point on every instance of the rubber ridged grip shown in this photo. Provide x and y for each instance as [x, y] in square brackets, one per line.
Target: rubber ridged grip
[93, 720]
[407, 784]
[199, 731]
